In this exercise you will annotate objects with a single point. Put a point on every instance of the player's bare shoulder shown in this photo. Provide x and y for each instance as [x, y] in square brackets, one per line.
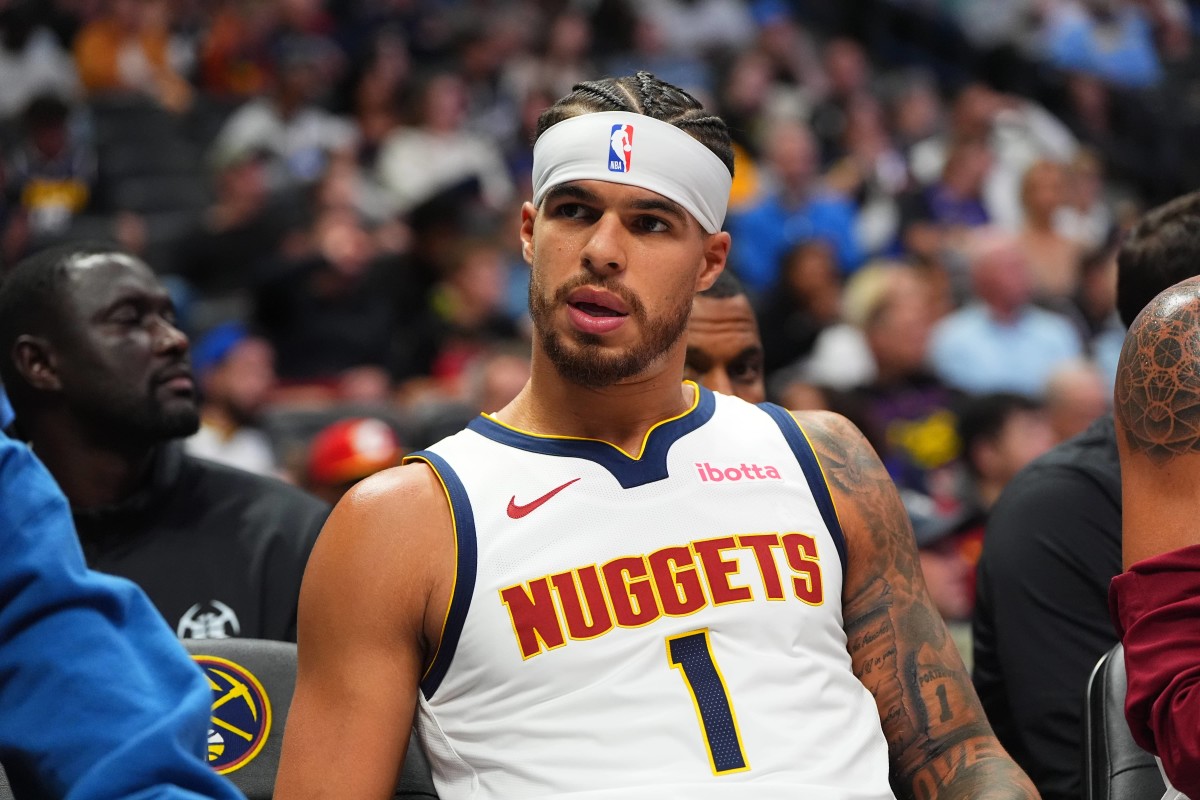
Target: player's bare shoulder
[389, 540]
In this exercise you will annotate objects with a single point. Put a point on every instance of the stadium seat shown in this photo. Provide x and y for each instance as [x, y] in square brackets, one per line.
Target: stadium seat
[1114, 767]
[252, 684]
[251, 763]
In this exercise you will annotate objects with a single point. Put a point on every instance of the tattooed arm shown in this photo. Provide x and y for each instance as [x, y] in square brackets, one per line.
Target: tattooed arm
[940, 742]
[1157, 410]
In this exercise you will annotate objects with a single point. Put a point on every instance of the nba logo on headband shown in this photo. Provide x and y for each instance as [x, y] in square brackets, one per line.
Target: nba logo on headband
[620, 148]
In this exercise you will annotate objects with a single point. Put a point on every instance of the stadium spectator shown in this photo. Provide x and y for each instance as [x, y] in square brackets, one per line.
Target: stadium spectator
[1053, 258]
[50, 176]
[100, 381]
[910, 412]
[1077, 394]
[33, 61]
[1001, 342]
[806, 299]
[235, 373]
[287, 123]
[795, 209]
[436, 152]
[328, 310]
[128, 50]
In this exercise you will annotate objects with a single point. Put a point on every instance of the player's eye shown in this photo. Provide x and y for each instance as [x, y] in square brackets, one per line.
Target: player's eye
[571, 211]
[653, 224]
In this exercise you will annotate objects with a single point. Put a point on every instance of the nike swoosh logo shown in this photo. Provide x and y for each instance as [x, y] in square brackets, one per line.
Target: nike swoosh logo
[516, 512]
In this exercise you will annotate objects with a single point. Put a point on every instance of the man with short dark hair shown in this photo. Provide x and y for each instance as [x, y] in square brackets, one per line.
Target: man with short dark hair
[1053, 544]
[724, 348]
[99, 378]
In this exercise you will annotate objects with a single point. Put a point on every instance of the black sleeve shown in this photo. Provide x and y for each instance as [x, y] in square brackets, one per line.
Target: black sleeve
[1041, 620]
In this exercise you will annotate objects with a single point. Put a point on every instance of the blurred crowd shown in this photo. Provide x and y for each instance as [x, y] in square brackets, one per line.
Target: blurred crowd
[926, 208]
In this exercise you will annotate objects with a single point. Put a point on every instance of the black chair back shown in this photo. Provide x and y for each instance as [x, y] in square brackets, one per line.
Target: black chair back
[1114, 767]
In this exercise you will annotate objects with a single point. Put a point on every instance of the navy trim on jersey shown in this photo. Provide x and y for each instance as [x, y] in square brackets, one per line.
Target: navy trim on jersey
[629, 472]
[812, 472]
[465, 569]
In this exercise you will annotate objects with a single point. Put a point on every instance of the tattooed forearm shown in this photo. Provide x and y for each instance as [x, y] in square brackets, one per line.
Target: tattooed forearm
[939, 741]
[1158, 376]
[977, 767]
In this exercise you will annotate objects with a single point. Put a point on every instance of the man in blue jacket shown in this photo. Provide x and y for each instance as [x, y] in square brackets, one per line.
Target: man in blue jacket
[97, 698]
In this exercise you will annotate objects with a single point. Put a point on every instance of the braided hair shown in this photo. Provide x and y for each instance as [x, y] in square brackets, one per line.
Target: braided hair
[644, 94]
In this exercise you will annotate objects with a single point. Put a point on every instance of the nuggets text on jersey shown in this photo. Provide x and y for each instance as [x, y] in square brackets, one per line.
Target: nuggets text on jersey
[632, 591]
[241, 714]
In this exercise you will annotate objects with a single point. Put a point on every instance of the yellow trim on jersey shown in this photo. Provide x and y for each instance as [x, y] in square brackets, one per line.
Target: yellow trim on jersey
[832, 497]
[645, 439]
[454, 530]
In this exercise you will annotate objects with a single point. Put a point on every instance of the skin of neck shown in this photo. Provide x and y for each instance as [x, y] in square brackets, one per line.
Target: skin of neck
[620, 414]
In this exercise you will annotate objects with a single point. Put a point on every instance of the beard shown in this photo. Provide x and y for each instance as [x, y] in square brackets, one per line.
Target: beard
[582, 358]
[126, 420]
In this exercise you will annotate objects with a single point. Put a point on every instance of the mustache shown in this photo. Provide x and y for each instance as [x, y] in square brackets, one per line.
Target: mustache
[611, 285]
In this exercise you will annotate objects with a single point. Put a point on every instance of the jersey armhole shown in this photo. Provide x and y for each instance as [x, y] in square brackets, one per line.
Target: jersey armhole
[802, 448]
[466, 558]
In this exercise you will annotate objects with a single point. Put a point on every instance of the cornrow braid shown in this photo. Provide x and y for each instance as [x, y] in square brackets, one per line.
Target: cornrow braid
[645, 94]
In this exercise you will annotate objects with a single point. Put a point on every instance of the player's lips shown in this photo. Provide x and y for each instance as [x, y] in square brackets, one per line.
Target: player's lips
[596, 311]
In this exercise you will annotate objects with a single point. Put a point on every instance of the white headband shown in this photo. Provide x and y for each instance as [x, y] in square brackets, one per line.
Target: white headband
[635, 150]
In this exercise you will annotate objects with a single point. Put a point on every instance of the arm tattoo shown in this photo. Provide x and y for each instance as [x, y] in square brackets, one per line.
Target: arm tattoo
[939, 740]
[1158, 377]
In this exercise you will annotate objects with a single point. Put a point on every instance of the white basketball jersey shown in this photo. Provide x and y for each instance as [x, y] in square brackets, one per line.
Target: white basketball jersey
[661, 626]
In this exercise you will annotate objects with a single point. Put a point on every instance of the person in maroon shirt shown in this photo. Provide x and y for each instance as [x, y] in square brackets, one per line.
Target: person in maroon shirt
[1155, 603]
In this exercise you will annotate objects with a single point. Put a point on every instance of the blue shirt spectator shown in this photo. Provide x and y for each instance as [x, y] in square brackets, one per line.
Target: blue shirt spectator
[795, 210]
[97, 698]
[1001, 342]
[974, 351]
[1118, 49]
[763, 234]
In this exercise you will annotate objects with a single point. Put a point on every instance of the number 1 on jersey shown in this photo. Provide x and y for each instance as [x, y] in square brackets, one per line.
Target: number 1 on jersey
[691, 654]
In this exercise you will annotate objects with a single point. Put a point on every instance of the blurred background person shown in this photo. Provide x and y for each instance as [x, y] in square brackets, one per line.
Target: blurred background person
[1076, 395]
[1053, 257]
[796, 207]
[1001, 341]
[235, 373]
[806, 299]
[50, 175]
[128, 50]
[999, 433]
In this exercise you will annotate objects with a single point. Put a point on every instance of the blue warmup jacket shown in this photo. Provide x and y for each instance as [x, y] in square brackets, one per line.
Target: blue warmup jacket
[97, 697]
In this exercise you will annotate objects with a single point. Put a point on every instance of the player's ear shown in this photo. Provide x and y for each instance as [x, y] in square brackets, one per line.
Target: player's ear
[528, 215]
[37, 363]
[716, 254]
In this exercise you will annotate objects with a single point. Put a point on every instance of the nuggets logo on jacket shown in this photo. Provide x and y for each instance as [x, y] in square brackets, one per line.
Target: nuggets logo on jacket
[241, 714]
[620, 148]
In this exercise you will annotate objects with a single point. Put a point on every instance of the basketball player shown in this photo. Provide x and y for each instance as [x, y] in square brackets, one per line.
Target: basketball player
[1156, 601]
[724, 348]
[622, 584]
